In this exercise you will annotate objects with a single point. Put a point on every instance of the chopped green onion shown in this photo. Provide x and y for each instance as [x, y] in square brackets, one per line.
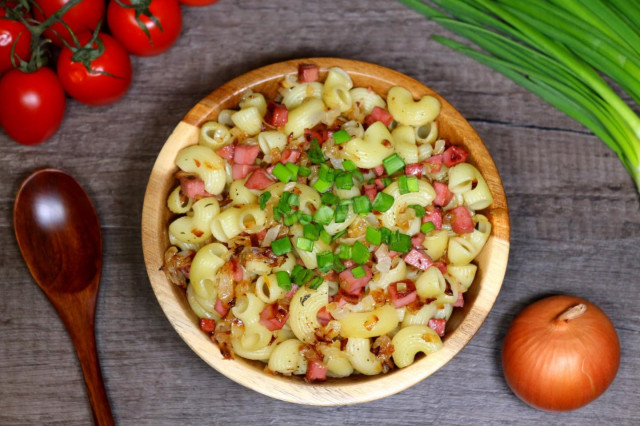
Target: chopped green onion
[281, 172]
[315, 152]
[323, 215]
[361, 204]
[386, 181]
[304, 244]
[284, 280]
[342, 211]
[420, 211]
[341, 136]
[382, 202]
[338, 266]
[408, 184]
[304, 171]
[393, 163]
[329, 198]
[349, 165]
[315, 283]
[344, 180]
[293, 168]
[303, 276]
[338, 235]
[294, 199]
[263, 198]
[305, 218]
[357, 175]
[360, 253]
[322, 185]
[281, 246]
[283, 205]
[325, 236]
[427, 227]
[311, 232]
[386, 234]
[325, 261]
[292, 218]
[344, 251]
[358, 272]
[345, 202]
[374, 236]
[276, 214]
[400, 242]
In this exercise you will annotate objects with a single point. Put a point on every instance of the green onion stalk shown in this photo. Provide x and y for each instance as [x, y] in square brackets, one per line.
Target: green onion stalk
[560, 50]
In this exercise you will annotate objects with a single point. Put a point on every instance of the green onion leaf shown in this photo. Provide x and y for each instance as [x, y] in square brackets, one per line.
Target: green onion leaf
[263, 198]
[374, 236]
[324, 215]
[281, 246]
[361, 204]
[284, 280]
[427, 227]
[393, 163]
[315, 152]
[358, 272]
[282, 173]
[341, 136]
[360, 253]
[325, 261]
[382, 202]
[349, 165]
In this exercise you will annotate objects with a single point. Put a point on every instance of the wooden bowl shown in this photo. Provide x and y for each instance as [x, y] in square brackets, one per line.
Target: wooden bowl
[464, 323]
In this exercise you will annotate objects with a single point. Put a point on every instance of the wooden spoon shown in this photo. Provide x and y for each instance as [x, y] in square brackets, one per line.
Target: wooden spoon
[58, 232]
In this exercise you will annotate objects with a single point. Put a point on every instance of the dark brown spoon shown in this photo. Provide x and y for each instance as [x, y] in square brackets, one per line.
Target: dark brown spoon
[58, 232]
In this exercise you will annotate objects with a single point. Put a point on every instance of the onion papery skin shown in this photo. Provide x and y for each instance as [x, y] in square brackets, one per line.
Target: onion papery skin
[560, 365]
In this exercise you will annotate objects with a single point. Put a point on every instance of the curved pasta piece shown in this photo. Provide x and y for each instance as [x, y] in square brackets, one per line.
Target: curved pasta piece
[358, 351]
[395, 274]
[204, 267]
[372, 149]
[287, 359]
[412, 113]
[206, 164]
[249, 120]
[465, 179]
[427, 133]
[203, 308]
[431, 283]
[196, 228]
[380, 321]
[461, 276]
[254, 99]
[305, 116]
[268, 290]
[248, 309]
[367, 99]
[337, 361]
[263, 353]
[462, 249]
[413, 339]
[240, 194]
[303, 311]
[270, 140]
[424, 197]
[435, 243]
[420, 317]
[293, 97]
[175, 202]
[404, 142]
[215, 135]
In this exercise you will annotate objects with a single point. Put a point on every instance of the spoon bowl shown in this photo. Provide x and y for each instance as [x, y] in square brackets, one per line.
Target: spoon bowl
[58, 232]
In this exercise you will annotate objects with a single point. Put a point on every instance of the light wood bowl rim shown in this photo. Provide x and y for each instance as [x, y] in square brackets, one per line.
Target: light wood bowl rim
[492, 261]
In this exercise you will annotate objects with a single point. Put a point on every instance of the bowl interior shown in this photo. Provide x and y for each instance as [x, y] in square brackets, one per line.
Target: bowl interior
[462, 325]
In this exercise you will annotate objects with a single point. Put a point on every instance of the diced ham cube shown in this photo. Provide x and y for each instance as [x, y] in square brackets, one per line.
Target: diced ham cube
[319, 132]
[207, 325]
[277, 114]
[402, 293]
[461, 221]
[240, 171]
[237, 272]
[419, 259]
[379, 170]
[460, 302]
[352, 285]
[454, 155]
[226, 152]
[370, 190]
[417, 240]
[193, 187]
[290, 156]
[259, 179]
[438, 325]
[274, 316]
[433, 215]
[433, 164]
[246, 154]
[221, 308]
[323, 316]
[442, 266]
[443, 195]
[413, 169]
[379, 184]
[379, 114]
[308, 73]
[316, 371]
[290, 293]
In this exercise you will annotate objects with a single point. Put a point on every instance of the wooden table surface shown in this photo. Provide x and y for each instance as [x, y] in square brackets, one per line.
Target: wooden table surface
[575, 223]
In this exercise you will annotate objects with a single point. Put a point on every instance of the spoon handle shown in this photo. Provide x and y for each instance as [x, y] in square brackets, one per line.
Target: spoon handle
[79, 320]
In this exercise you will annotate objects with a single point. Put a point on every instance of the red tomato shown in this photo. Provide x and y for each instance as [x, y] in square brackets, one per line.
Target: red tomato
[13, 32]
[125, 27]
[84, 16]
[109, 78]
[31, 105]
[198, 2]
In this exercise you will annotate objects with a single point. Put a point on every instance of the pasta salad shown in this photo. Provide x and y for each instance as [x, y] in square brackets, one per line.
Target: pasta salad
[328, 231]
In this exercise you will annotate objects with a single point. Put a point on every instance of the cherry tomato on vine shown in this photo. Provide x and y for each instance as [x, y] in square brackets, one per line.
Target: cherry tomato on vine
[109, 76]
[13, 32]
[198, 2]
[84, 16]
[153, 31]
[31, 105]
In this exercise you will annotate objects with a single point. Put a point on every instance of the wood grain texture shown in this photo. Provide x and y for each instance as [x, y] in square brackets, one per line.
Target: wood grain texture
[357, 389]
[574, 214]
